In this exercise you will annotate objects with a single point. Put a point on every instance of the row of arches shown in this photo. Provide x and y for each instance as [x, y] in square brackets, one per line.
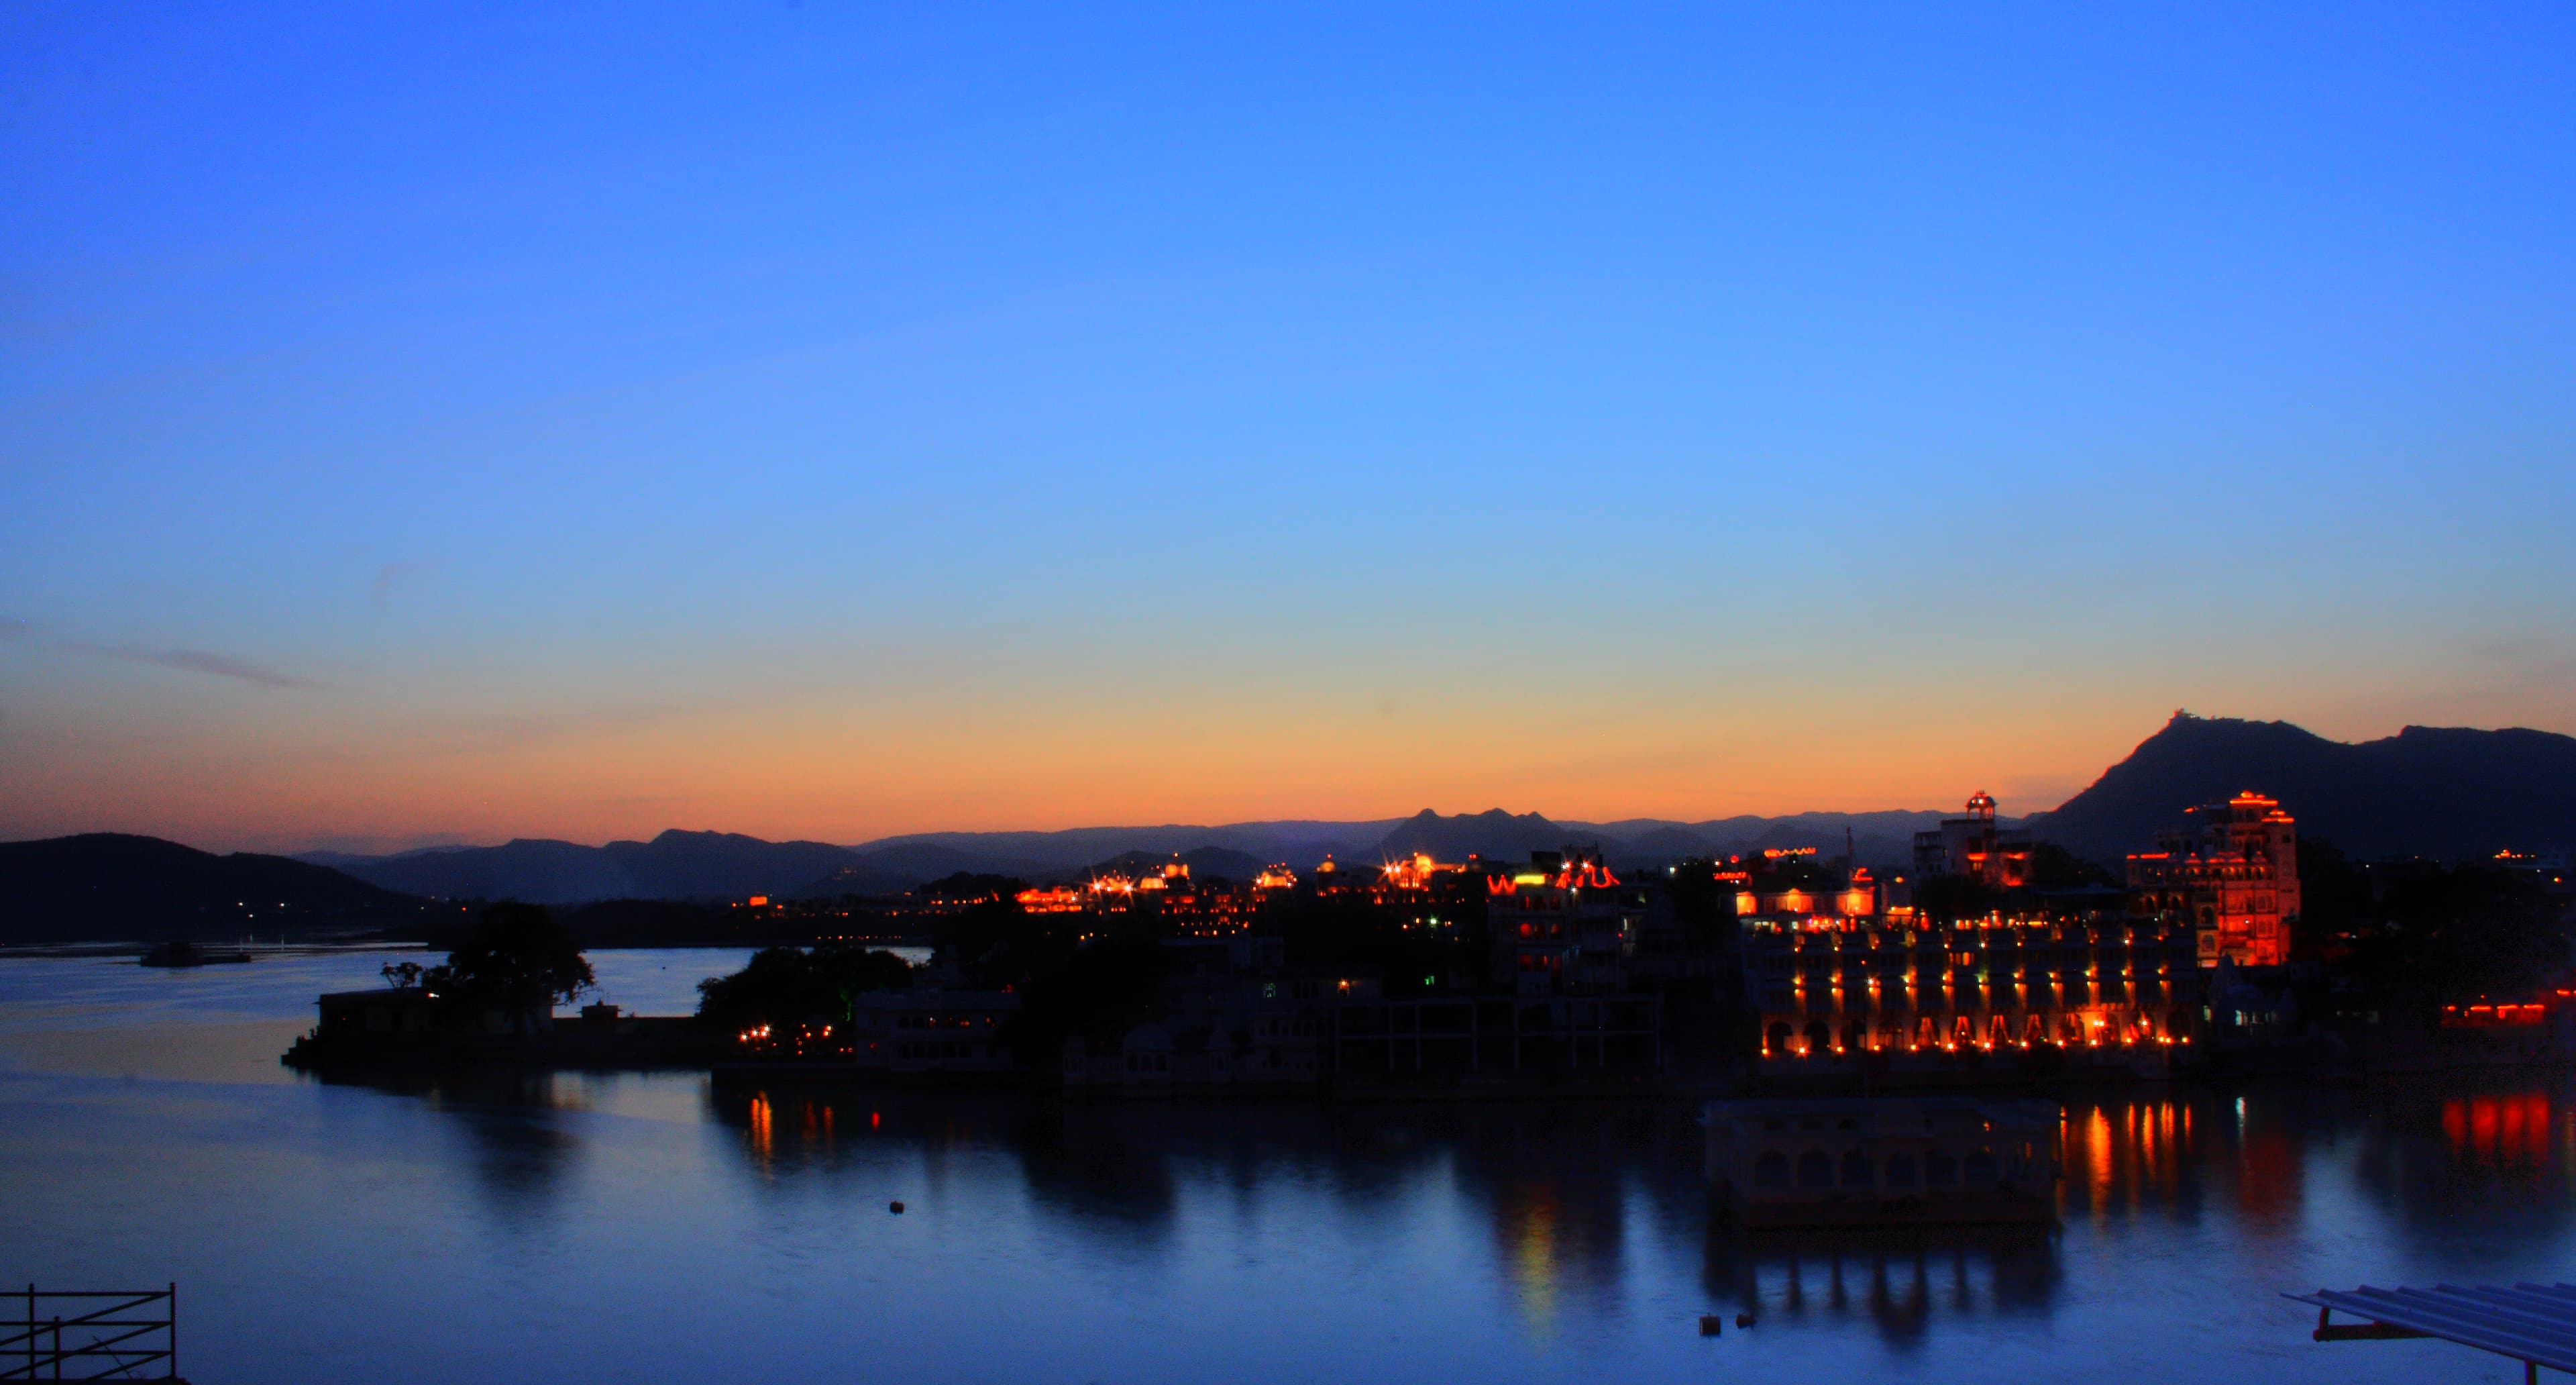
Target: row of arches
[2066, 1028]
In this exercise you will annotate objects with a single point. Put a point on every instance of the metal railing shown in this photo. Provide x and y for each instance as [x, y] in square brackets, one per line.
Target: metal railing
[88, 1334]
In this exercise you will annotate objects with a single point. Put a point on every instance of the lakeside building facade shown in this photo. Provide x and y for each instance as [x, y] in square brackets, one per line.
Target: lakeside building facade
[2231, 876]
[1843, 978]
[1833, 990]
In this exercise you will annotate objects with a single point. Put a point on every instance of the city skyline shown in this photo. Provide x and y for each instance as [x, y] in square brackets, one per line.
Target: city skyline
[833, 424]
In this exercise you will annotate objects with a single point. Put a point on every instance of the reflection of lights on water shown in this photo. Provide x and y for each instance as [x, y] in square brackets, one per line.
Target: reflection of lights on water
[760, 1125]
[2505, 1126]
[1534, 1261]
[2097, 1137]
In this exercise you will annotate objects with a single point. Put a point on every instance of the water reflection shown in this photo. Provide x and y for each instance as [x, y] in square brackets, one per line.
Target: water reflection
[1270, 1241]
[1896, 1281]
[1553, 1184]
[505, 1124]
[2493, 1159]
[1561, 1189]
[1564, 1208]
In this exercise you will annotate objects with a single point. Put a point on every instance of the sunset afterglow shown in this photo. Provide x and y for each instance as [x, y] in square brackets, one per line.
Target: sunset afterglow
[900, 427]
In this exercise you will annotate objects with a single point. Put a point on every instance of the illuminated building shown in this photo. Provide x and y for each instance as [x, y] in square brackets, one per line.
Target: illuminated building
[1183, 907]
[1862, 899]
[1415, 872]
[1420, 894]
[1972, 846]
[1413, 887]
[1563, 923]
[2232, 876]
[1859, 898]
[1205, 911]
[1832, 991]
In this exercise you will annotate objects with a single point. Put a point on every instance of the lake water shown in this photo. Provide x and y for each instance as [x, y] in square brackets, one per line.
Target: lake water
[652, 1227]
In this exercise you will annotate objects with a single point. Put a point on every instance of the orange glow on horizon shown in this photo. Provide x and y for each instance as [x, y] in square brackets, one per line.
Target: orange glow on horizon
[993, 749]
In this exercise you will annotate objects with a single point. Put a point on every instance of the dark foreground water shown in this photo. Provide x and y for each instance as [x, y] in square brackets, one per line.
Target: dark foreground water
[650, 1227]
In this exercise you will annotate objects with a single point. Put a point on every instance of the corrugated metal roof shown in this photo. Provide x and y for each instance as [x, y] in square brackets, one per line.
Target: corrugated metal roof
[2528, 1322]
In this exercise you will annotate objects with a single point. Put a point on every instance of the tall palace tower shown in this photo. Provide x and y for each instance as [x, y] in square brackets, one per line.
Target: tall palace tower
[2234, 872]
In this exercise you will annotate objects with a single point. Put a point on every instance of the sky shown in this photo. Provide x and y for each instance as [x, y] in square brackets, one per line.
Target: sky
[426, 424]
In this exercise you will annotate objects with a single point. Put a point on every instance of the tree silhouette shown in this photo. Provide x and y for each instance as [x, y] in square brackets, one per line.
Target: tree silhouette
[785, 985]
[517, 959]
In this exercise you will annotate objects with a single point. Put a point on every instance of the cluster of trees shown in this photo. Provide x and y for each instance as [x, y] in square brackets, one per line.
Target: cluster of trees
[517, 958]
[786, 986]
[522, 960]
[2432, 933]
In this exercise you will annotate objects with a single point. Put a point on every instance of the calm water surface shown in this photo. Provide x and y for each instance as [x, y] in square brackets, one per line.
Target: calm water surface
[652, 1227]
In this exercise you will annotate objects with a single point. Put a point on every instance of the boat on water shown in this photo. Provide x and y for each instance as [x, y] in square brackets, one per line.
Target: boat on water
[184, 954]
[1872, 1161]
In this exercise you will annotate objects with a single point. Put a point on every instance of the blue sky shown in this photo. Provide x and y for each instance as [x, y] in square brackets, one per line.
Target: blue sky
[830, 420]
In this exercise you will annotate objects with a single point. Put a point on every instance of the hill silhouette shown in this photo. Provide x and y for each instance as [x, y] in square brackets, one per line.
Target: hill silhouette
[1493, 834]
[111, 886]
[674, 865]
[718, 866]
[1301, 843]
[1205, 862]
[2429, 791]
[2423, 791]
